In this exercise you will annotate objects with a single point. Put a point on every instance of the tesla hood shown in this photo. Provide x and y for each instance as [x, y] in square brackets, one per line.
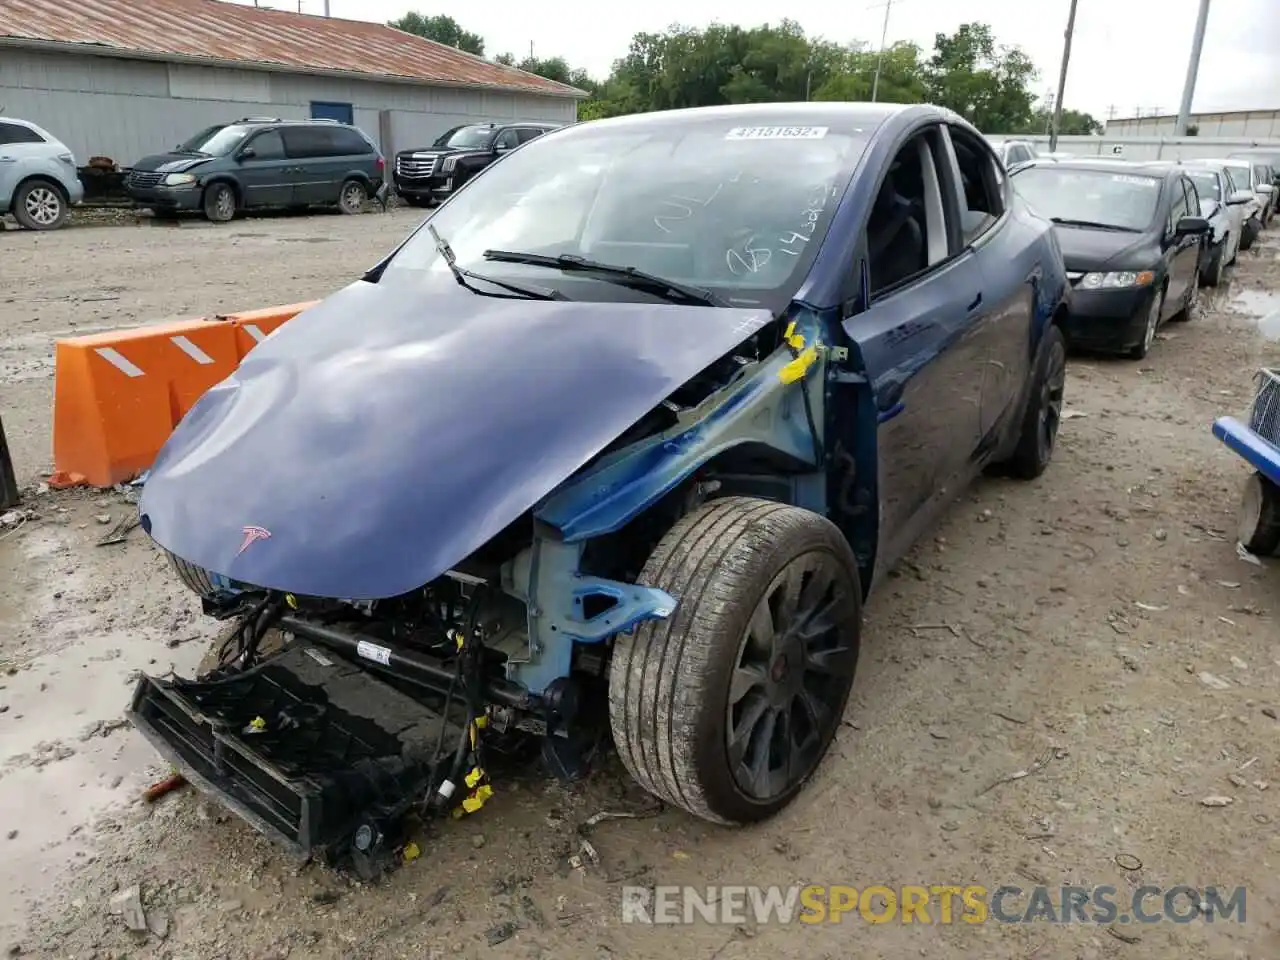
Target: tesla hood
[385, 434]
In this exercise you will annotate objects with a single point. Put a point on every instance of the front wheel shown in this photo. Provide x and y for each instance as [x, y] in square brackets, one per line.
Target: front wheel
[1259, 528]
[220, 203]
[1149, 328]
[726, 708]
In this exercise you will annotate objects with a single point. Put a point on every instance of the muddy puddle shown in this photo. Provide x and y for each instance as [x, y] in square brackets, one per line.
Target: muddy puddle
[1262, 304]
[69, 764]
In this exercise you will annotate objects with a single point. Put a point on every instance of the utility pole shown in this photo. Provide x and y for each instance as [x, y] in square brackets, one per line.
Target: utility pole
[1193, 68]
[1062, 77]
[884, 35]
[326, 8]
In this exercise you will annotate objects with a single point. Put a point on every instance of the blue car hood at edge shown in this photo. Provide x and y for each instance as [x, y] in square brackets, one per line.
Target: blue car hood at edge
[385, 434]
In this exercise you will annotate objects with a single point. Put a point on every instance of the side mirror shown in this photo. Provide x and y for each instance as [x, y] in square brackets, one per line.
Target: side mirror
[248, 153]
[1191, 226]
[1239, 197]
[501, 148]
[1266, 189]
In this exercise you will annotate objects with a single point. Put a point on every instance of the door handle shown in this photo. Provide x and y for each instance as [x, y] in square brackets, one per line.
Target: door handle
[977, 302]
[8, 159]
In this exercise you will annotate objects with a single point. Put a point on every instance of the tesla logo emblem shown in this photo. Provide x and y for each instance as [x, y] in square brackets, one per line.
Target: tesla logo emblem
[251, 536]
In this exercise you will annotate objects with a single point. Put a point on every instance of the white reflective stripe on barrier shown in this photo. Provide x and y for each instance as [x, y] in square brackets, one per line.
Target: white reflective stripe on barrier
[253, 331]
[119, 361]
[191, 350]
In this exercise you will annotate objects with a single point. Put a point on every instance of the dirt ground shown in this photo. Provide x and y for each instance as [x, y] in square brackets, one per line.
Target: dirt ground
[1098, 621]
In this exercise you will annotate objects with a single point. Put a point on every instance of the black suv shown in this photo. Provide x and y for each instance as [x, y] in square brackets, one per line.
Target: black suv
[427, 174]
[261, 162]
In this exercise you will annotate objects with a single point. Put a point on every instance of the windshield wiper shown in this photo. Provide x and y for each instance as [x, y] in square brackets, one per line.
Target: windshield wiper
[629, 276]
[461, 275]
[1093, 224]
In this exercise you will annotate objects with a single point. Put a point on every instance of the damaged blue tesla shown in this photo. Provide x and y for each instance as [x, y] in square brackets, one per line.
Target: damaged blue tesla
[612, 447]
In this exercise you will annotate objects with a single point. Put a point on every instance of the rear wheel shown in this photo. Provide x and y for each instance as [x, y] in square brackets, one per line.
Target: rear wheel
[1191, 305]
[1213, 274]
[39, 205]
[726, 708]
[1259, 529]
[354, 197]
[1043, 415]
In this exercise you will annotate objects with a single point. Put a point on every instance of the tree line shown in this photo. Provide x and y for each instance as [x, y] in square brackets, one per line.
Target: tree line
[968, 71]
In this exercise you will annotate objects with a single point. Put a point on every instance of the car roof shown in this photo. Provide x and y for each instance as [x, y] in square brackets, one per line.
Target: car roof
[835, 113]
[1100, 165]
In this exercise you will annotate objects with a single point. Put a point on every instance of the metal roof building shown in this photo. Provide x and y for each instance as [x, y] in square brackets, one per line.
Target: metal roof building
[124, 79]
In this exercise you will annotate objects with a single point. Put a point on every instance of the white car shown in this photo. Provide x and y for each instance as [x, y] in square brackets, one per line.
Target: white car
[1226, 208]
[1248, 175]
[1240, 173]
[38, 178]
[1013, 152]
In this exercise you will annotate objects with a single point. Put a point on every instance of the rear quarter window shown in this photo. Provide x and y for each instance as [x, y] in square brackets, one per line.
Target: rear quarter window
[348, 142]
[17, 133]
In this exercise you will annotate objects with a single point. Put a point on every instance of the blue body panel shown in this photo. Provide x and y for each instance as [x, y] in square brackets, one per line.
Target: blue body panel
[1257, 452]
[386, 434]
[353, 433]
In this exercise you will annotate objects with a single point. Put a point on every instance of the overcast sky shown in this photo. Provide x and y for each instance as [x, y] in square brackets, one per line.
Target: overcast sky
[1126, 53]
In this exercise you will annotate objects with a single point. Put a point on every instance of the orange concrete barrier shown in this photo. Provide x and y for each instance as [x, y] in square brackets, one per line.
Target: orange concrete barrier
[118, 395]
[254, 326]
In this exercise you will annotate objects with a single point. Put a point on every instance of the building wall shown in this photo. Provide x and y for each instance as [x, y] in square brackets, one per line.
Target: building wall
[1254, 123]
[1153, 148]
[126, 109]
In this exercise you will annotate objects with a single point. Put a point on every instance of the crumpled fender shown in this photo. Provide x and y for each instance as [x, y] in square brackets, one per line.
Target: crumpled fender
[383, 435]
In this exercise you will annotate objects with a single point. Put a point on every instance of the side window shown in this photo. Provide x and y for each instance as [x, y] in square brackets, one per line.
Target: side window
[1178, 207]
[302, 143]
[506, 140]
[525, 134]
[1193, 197]
[348, 142]
[17, 133]
[981, 186]
[268, 145]
[906, 231]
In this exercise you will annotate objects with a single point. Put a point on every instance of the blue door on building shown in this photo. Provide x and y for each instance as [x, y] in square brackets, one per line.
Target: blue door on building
[327, 110]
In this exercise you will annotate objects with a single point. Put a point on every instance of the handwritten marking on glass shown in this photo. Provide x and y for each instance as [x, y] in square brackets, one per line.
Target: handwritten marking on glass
[749, 259]
[794, 242]
[683, 207]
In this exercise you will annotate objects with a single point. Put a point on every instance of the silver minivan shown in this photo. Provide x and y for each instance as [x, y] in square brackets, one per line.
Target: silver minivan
[38, 179]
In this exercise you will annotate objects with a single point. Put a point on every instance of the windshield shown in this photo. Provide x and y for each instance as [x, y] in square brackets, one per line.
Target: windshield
[1241, 176]
[1124, 201]
[215, 141]
[465, 138]
[739, 211]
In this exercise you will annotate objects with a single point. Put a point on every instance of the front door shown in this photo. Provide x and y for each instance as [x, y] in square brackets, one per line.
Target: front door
[1183, 253]
[918, 346]
[264, 171]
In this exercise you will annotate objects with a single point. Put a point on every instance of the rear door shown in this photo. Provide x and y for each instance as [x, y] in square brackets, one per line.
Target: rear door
[310, 150]
[917, 344]
[19, 146]
[976, 193]
[264, 171]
